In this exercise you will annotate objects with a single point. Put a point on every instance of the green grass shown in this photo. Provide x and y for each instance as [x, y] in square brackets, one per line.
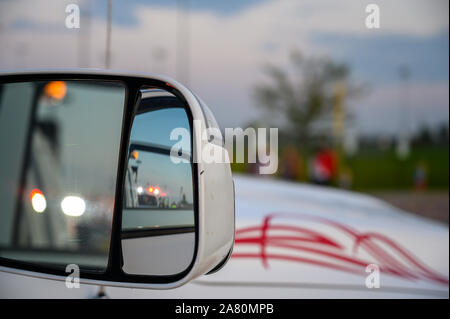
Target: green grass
[373, 169]
[384, 170]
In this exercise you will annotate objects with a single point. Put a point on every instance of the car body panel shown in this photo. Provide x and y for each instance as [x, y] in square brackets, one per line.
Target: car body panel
[303, 241]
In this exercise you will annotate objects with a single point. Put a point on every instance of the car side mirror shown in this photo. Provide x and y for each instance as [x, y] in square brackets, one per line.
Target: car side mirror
[102, 172]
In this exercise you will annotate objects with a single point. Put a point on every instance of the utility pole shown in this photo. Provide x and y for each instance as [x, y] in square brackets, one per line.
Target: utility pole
[403, 142]
[108, 36]
[182, 44]
[84, 37]
[339, 112]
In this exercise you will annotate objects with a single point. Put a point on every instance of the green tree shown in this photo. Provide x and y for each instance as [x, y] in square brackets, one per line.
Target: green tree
[301, 97]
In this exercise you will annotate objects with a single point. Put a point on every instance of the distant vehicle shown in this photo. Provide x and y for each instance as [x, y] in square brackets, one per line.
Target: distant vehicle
[148, 201]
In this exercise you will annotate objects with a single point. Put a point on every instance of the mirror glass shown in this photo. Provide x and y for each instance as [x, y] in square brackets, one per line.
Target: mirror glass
[158, 219]
[59, 144]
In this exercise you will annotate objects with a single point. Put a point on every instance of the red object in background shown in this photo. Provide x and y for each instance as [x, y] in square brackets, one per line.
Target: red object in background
[327, 160]
[34, 192]
[325, 165]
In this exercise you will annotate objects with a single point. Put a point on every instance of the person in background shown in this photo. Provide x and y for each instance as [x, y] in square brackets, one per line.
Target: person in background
[291, 163]
[324, 166]
[420, 176]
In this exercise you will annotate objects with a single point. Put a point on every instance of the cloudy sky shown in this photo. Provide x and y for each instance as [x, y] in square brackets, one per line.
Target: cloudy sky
[219, 48]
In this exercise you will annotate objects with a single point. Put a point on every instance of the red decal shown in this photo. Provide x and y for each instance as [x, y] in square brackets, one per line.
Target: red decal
[392, 258]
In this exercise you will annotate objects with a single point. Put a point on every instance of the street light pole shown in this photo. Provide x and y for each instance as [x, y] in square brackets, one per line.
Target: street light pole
[403, 143]
[108, 36]
[182, 38]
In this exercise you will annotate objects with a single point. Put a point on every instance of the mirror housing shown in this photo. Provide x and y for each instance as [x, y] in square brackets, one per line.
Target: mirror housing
[213, 188]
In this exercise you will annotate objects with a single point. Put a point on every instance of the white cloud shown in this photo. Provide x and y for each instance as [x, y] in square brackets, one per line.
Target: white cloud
[225, 53]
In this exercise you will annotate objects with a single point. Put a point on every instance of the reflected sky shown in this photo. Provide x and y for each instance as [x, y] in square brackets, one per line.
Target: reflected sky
[155, 127]
[157, 170]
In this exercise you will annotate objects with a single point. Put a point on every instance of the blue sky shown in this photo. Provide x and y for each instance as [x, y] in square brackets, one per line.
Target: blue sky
[377, 59]
[223, 46]
[124, 14]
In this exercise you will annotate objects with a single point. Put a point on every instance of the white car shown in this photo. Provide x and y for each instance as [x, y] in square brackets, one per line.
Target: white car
[87, 145]
[303, 241]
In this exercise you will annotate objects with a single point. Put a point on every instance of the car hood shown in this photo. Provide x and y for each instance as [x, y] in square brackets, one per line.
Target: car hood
[297, 235]
[303, 241]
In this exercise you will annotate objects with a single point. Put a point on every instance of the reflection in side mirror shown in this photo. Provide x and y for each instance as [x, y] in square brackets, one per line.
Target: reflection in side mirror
[88, 179]
[158, 217]
[60, 144]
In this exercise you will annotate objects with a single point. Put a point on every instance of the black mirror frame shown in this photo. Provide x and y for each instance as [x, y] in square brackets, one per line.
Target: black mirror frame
[113, 271]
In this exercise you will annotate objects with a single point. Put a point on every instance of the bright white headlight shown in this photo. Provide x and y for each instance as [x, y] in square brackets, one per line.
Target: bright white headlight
[73, 206]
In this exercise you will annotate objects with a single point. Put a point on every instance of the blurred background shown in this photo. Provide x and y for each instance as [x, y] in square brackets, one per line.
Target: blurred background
[357, 108]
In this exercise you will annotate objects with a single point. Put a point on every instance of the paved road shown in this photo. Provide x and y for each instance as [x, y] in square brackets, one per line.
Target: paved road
[432, 204]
